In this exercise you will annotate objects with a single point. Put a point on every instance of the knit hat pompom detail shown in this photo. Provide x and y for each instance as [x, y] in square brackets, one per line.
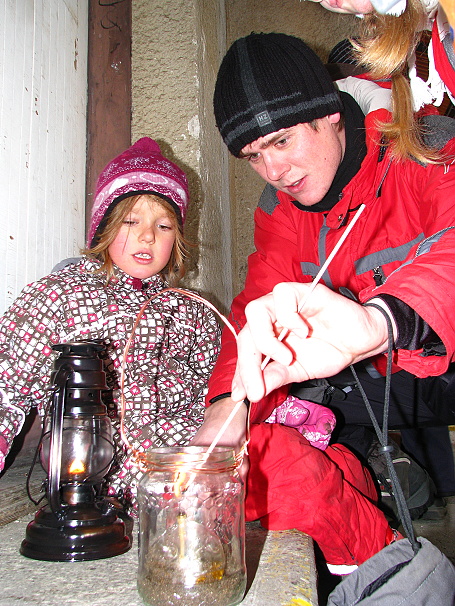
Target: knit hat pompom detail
[267, 82]
[141, 169]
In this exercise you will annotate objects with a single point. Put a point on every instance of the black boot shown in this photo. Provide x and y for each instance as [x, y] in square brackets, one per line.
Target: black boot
[418, 487]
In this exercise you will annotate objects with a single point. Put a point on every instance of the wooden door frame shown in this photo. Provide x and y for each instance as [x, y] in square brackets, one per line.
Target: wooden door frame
[109, 87]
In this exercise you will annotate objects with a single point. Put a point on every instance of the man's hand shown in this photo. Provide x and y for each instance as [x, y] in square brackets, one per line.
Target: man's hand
[330, 333]
[235, 434]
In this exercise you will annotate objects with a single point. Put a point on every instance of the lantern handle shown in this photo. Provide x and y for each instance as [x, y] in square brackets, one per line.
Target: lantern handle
[55, 447]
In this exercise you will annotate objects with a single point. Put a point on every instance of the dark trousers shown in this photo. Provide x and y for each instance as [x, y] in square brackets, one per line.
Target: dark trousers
[421, 409]
[432, 449]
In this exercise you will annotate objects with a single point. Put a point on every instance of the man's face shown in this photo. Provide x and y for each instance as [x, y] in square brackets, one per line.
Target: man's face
[300, 160]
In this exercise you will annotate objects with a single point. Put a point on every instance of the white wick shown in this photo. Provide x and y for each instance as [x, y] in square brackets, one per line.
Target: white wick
[319, 275]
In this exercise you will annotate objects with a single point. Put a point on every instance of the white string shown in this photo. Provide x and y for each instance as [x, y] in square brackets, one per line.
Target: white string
[196, 297]
[318, 276]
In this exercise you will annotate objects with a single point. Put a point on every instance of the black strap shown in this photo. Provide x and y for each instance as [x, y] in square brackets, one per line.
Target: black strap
[386, 448]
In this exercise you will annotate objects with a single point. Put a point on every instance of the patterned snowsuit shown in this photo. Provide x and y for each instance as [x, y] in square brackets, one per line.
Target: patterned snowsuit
[175, 347]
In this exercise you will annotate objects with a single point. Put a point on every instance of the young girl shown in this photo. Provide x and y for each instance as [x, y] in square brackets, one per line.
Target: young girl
[135, 249]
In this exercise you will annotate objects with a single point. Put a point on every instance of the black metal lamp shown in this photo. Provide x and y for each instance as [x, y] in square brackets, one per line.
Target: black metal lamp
[76, 451]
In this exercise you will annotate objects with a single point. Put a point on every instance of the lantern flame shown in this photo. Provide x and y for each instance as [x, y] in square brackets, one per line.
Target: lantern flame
[77, 466]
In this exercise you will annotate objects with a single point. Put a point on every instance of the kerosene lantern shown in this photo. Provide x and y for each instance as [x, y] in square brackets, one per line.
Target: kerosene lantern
[76, 451]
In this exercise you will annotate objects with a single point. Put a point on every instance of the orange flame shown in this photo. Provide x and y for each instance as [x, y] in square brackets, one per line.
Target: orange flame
[77, 466]
[179, 488]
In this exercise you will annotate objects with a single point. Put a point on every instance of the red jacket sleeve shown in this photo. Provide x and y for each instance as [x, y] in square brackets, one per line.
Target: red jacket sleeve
[274, 261]
[425, 279]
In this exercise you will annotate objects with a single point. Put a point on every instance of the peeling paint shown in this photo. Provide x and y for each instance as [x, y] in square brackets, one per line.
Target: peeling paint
[76, 54]
[194, 127]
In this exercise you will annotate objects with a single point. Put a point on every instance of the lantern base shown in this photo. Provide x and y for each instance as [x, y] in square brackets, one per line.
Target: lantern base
[81, 533]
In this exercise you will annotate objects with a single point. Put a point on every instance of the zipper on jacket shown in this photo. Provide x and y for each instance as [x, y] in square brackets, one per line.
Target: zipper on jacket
[378, 275]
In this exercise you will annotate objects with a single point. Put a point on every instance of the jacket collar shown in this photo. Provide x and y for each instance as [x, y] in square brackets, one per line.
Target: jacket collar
[124, 280]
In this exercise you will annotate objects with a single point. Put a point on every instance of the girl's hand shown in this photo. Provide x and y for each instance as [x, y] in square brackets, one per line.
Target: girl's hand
[235, 435]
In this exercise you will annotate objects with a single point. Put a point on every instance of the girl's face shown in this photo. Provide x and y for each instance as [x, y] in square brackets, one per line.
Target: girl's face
[356, 7]
[143, 244]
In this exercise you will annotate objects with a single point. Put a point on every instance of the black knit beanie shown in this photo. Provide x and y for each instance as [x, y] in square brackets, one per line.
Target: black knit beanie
[267, 82]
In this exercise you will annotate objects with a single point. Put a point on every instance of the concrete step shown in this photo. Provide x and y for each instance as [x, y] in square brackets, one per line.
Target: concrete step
[14, 499]
[281, 572]
[280, 564]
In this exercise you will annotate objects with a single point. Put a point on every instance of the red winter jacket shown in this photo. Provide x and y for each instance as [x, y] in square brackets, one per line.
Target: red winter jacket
[405, 234]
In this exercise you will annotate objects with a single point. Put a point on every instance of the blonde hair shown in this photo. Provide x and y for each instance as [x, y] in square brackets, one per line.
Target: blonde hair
[383, 48]
[175, 268]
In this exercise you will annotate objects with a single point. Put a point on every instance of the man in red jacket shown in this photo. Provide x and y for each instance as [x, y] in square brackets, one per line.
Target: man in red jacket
[276, 107]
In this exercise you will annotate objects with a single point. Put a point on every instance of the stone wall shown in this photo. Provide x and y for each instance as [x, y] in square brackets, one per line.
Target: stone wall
[177, 47]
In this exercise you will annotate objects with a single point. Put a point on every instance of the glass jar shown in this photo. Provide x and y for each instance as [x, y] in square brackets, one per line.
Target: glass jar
[191, 528]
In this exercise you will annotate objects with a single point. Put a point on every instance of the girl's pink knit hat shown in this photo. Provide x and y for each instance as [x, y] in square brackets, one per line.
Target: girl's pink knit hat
[141, 169]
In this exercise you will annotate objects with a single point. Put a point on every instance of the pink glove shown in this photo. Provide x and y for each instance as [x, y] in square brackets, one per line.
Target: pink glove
[313, 421]
[3, 452]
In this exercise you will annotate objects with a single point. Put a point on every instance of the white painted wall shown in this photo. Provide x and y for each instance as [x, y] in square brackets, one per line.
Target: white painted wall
[43, 80]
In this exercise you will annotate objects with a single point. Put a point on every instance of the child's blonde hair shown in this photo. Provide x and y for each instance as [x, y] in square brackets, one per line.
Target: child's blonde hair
[383, 47]
[175, 268]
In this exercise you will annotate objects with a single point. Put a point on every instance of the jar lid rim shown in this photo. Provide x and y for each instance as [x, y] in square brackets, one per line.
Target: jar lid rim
[190, 456]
